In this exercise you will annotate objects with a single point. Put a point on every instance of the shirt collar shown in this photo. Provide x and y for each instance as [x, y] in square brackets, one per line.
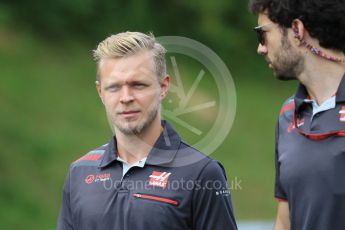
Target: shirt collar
[340, 95]
[330, 103]
[139, 163]
[110, 153]
[302, 94]
[126, 167]
[163, 151]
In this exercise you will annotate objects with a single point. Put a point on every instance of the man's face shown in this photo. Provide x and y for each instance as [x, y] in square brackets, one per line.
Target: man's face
[283, 58]
[131, 92]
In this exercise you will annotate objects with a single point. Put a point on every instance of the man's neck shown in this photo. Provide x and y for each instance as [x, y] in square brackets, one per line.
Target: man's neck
[133, 148]
[321, 78]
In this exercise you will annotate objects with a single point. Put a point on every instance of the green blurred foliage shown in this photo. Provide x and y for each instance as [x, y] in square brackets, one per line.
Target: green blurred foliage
[51, 115]
[211, 22]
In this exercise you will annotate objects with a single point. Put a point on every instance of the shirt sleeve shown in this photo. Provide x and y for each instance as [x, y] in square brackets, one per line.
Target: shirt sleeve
[212, 208]
[279, 192]
[65, 216]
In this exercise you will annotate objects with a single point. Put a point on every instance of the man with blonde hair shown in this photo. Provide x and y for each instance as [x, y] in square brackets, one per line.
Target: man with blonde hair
[146, 177]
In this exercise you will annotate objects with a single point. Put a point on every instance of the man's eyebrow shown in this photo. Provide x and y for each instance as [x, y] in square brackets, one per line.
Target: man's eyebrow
[137, 82]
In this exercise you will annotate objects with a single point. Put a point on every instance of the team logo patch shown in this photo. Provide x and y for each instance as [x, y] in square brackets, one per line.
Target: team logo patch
[159, 179]
[342, 114]
[89, 179]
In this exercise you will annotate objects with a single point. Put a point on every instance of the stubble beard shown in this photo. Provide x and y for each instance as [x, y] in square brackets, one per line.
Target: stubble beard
[129, 129]
[288, 63]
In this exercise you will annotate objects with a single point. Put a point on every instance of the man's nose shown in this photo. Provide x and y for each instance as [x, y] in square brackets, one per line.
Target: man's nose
[126, 95]
[262, 49]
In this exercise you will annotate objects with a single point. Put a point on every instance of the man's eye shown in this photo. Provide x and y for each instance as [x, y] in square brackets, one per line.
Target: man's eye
[139, 86]
[113, 88]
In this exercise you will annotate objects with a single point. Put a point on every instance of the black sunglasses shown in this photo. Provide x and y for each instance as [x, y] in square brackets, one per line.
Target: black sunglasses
[260, 34]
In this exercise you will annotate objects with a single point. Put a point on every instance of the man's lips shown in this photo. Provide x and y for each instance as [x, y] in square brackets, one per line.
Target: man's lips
[129, 114]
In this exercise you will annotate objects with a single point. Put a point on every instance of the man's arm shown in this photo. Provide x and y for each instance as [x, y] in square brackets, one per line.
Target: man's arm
[211, 205]
[283, 219]
[65, 216]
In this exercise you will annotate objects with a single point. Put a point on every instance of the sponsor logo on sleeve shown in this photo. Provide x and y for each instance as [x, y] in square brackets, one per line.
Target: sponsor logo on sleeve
[94, 178]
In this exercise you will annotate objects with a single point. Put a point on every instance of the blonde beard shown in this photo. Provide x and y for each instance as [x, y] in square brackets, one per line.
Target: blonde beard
[129, 130]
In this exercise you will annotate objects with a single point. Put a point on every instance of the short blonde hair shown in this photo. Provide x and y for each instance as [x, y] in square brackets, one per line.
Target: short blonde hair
[129, 43]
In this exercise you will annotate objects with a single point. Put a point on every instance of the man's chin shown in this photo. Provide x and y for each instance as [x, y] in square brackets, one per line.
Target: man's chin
[284, 77]
[129, 131]
[127, 127]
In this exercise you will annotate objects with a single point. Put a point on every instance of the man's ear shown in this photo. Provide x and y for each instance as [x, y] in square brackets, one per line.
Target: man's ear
[298, 29]
[99, 89]
[165, 85]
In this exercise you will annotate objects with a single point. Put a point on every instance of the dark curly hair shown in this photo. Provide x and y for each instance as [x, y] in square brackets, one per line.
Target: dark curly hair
[323, 19]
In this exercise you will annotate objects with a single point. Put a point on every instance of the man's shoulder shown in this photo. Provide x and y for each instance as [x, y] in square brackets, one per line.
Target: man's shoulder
[91, 158]
[205, 165]
[286, 116]
[188, 149]
[288, 106]
[189, 155]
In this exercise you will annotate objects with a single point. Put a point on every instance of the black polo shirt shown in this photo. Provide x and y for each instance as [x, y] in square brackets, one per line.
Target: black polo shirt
[310, 162]
[178, 188]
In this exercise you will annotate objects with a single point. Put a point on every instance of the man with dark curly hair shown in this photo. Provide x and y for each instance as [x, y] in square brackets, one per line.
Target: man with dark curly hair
[304, 40]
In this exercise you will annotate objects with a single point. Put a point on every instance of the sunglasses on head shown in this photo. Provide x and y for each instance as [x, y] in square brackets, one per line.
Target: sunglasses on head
[260, 33]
